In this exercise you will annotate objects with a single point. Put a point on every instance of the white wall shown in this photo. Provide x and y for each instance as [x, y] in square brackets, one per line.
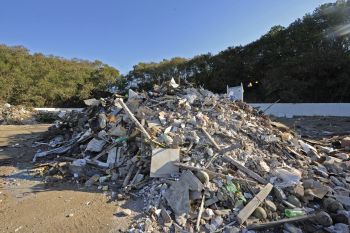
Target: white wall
[306, 109]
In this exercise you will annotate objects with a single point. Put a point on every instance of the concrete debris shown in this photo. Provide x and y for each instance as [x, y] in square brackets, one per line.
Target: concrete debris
[10, 115]
[162, 162]
[201, 163]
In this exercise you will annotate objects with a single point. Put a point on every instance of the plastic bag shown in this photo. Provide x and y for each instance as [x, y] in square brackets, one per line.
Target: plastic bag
[289, 177]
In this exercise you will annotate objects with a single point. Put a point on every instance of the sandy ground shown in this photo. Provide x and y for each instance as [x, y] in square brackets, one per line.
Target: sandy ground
[27, 204]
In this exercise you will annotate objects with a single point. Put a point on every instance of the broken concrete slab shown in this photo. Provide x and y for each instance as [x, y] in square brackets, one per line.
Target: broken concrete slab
[162, 162]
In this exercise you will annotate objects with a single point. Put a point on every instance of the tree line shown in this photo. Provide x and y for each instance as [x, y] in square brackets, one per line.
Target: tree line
[308, 61]
[39, 80]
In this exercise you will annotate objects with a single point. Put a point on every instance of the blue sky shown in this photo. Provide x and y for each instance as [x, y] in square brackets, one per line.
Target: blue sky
[123, 33]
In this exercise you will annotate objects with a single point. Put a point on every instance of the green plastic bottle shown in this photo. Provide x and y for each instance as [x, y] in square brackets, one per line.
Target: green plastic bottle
[290, 213]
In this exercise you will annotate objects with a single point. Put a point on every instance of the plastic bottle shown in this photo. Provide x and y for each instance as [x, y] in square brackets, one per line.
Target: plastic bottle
[290, 213]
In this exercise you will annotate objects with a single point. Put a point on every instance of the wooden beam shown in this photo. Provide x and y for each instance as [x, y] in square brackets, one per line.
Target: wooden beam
[244, 214]
[133, 118]
[249, 172]
[279, 222]
[211, 139]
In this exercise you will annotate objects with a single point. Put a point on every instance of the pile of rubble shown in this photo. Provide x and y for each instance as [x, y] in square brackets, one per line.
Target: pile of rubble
[10, 114]
[203, 163]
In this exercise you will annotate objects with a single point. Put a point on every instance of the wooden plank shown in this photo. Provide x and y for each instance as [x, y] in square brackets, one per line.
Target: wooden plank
[133, 118]
[128, 176]
[250, 173]
[279, 222]
[244, 214]
[200, 214]
[211, 139]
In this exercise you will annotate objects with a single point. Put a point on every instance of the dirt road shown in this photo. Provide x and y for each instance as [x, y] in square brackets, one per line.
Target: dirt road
[27, 204]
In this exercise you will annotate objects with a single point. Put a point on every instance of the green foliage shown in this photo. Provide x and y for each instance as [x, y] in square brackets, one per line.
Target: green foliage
[309, 61]
[38, 80]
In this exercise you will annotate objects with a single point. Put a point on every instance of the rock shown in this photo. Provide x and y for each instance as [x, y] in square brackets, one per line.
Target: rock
[290, 228]
[279, 194]
[310, 183]
[270, 205]
[345, 142]
[338, 228]
[298, 190]
[342, 156]
[336, 181]
[260, 213]
[177, 197]
[221, 196]
[294, 201]
[91, 102]
[125, 212]
[193, 182]
[211, 201]
[224, 212]
[324, 219]
[342, 216]
[215, 224]
[202, 176]
[332, 205]
[208, 214]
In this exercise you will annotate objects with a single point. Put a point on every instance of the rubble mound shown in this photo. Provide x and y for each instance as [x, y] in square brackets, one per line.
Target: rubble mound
[10, 114]
[202, 163]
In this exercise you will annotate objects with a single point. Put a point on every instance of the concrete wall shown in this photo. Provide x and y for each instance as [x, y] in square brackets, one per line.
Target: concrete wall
[306, 109]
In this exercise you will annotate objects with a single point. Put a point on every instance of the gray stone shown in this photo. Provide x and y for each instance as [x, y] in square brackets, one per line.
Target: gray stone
[92, 102]
[342, 216]
[292, 228]
[339, 228]
[211, 201]
[332, 205]
[294, 201]
[298, 190]
[223, 212]
[279, 194]
[193, 182]
[202, 176]
[342, 156]
[336, 181]
[125, 212]
[260, 213]
[270, 205]
[177, 197]
[324, 219]
[221, 196]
